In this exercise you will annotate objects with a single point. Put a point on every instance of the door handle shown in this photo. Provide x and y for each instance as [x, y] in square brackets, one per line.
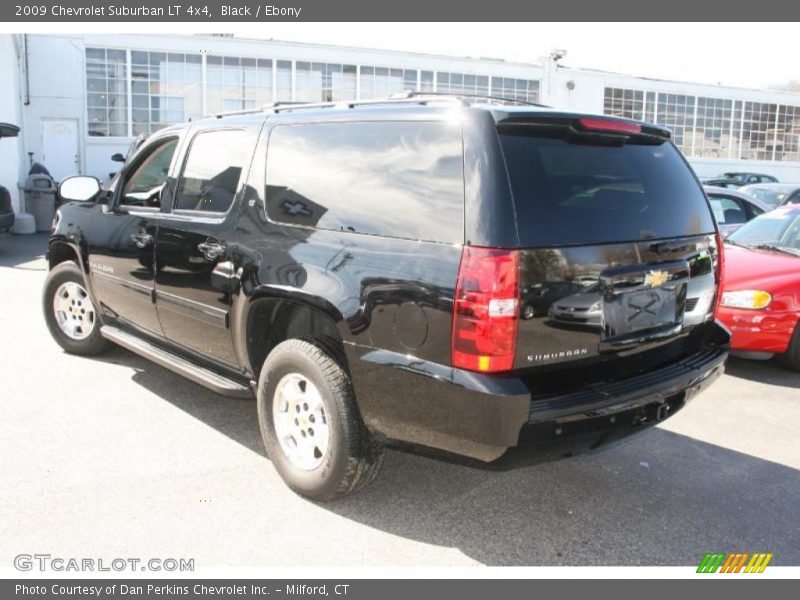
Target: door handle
[211, 250]
[142, 239]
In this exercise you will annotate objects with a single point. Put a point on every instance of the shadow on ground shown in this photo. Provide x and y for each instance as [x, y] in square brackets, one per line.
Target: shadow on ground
[18, 251]
[658, 498]
[762, 371]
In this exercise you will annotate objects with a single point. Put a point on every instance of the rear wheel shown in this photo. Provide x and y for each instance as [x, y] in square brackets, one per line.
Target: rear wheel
[528, 312]
[310, 423]
[791, 358]
[70, 313]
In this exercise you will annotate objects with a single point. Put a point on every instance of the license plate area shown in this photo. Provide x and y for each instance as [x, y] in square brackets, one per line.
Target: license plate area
[639, 299]
[640, 310]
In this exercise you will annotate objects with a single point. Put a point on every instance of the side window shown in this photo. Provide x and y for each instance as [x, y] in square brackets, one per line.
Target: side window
[398, 179]
[212, 170]
[144, 183]
[727, 210]
[753, 211]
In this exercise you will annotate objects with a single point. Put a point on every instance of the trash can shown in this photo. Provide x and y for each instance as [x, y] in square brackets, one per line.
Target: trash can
[40, 200]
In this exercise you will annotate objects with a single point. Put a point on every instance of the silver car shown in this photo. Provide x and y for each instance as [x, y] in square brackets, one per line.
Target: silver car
[734, 208]
[773, 194]
[583, 308]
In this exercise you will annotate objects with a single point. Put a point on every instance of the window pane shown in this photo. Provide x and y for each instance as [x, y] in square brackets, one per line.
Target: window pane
[211, 174]
[363, 169]
[676, 113]
[143, 185]
[758, 130]
[284, 80]
[515, 89]
[713, 136]
[788, 141]
[107, 92]
[570, 193]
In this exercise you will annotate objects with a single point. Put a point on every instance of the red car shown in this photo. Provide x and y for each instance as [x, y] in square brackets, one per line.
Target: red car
[761, 297]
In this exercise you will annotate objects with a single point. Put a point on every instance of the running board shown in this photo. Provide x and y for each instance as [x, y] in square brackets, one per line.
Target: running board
[177, 364]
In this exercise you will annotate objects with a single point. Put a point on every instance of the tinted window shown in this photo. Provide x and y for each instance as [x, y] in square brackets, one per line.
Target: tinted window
[569, 194]
[395, 179]
[212, 170]
[146, 179]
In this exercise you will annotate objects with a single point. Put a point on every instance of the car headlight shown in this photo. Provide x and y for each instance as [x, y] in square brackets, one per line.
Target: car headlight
[595, 307]
[752, 299]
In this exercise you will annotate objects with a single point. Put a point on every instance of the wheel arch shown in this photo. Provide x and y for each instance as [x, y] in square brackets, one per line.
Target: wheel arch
[271, 318]
[61, 251]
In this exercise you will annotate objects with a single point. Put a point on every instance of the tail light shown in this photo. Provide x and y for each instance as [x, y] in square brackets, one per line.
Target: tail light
[720, 268]
[486, 310]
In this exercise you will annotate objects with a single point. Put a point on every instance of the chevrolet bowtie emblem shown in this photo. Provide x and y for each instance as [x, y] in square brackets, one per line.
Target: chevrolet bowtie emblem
[656, 278]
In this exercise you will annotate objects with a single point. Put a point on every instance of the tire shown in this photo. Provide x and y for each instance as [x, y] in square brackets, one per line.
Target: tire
[302, 387]
[791, 358]
[70, 315]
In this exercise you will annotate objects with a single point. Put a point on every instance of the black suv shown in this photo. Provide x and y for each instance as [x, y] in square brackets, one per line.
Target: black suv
[360, 268]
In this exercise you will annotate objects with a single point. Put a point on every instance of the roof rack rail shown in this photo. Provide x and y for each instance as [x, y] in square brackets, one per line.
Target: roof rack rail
[498, 99]
[405, 97]
[421, 99]
[248, 111]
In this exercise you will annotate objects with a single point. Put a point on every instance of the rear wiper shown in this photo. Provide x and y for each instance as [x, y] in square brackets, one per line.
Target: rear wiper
[776, 248]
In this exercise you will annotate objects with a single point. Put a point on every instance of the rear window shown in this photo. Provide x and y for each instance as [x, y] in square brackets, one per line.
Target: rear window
[772, 197]
[398, 179]
[569, 193]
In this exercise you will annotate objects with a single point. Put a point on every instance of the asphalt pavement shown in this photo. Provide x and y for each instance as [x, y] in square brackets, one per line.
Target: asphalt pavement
[115, 456]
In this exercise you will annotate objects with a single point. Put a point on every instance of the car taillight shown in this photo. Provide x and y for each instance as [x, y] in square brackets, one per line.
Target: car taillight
[486, 310]
[720, 268]
[609, 125]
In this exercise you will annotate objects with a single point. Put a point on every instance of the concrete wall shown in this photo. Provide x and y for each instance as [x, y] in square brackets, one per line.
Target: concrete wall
[57, 89]
[11, 154]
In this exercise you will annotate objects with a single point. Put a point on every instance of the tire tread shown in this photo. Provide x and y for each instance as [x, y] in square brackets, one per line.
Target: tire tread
[364, 456]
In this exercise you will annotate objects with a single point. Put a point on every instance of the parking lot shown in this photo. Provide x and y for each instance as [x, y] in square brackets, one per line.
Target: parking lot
[115, 456]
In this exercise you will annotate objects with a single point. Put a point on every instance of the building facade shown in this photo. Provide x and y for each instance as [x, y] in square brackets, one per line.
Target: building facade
[82, 98]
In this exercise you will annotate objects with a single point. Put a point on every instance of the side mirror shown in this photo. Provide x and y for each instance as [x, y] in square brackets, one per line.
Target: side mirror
[79, 188]
[118, 158]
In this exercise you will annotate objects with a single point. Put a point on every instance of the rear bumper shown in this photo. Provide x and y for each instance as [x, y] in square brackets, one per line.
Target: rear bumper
[482, 416]
[758, 330]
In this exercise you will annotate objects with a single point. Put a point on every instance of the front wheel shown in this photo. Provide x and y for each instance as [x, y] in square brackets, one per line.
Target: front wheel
[70, 313]
[791, 358]
[310, 423]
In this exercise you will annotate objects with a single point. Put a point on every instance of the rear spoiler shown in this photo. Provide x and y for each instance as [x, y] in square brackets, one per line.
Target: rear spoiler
[587, 125]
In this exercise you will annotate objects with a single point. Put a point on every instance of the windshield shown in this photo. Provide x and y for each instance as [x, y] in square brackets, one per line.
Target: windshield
[780, 228]
[568, 193]
[772, 197]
